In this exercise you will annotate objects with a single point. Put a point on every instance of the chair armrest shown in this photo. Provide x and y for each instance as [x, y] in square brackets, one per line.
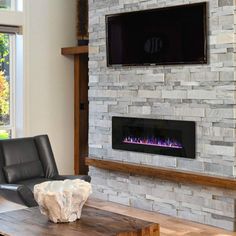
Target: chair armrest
[86, 178]
[19, 194]
[12, 187]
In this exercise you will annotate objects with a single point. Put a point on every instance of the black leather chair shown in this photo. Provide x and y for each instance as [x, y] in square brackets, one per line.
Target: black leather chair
[25, 162]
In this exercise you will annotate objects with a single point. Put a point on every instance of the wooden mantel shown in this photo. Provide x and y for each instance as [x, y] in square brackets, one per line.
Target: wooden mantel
[74, 50]
[164, 173]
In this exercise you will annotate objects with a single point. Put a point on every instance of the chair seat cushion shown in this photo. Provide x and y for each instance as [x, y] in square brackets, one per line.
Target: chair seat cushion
[31, 182]
[22, 171]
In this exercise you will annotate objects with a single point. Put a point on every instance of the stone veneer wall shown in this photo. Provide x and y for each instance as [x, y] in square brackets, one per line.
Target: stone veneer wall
[201, 93]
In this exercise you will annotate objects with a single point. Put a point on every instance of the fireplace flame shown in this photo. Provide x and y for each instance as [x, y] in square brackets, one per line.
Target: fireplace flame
[166, 143]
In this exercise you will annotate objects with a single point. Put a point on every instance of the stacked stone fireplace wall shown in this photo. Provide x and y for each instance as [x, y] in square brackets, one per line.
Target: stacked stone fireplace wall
[201, 93]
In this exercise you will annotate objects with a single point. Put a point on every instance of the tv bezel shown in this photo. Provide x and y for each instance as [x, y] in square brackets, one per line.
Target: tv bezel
[197, 62]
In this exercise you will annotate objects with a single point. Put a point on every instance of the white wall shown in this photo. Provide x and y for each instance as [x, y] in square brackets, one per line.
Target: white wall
[49, 26]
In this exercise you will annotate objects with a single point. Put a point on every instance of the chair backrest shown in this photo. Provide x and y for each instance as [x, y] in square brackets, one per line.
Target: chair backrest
[26, 158]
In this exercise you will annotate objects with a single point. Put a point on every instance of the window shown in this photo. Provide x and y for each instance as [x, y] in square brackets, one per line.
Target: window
[14, 5]
[5, 4]
[11, 69]
[7, 85]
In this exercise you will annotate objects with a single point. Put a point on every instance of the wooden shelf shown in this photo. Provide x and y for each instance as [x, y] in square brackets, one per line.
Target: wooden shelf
[74, 50]
[164, 173]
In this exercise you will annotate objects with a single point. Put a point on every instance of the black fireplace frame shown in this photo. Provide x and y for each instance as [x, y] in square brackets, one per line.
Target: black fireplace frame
[187, 129]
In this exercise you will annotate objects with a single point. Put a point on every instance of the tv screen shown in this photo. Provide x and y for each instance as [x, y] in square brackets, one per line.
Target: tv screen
[173, 35]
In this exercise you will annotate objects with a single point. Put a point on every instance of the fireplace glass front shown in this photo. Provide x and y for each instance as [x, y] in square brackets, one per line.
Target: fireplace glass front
[164, 137]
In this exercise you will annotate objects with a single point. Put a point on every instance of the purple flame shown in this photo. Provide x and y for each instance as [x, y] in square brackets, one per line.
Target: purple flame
[168, 143]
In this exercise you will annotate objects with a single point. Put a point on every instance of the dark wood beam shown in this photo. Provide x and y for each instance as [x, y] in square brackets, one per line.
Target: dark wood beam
[74, 50]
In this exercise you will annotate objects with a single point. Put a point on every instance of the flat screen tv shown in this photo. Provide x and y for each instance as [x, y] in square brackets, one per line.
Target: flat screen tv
[163, 36]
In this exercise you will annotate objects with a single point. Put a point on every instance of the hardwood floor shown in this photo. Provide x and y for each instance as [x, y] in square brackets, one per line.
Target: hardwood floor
[9, 206]
[168, 225]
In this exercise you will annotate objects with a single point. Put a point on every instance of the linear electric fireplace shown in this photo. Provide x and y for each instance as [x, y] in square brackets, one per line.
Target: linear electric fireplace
[164, 137]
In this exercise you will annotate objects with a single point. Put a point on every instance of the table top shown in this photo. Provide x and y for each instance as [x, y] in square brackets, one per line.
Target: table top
[96, 222]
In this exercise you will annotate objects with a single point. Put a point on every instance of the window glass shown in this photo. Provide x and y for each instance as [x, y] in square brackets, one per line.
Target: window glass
[5, 4]
[14, 5]
[6, 85]
[5, 134]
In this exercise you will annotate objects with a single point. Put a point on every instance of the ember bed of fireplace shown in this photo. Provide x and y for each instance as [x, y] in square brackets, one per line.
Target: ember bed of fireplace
[165, 137]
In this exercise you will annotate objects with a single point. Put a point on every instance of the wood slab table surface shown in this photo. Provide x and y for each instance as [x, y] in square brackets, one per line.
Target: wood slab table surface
[93, 222]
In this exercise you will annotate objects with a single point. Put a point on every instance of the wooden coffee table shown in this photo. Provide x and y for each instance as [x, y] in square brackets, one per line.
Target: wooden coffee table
[93, 222]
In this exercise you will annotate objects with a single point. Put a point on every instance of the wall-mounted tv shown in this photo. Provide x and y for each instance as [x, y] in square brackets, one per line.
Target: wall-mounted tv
[162, 36]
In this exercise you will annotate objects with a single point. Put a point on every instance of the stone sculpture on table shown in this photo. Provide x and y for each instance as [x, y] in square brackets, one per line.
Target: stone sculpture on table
[62, 201]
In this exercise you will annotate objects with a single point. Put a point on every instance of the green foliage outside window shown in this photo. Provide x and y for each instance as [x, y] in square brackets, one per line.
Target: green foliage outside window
[4, 51]
[4, 134]
[4, 95]
[4, 84]
[5, 4]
